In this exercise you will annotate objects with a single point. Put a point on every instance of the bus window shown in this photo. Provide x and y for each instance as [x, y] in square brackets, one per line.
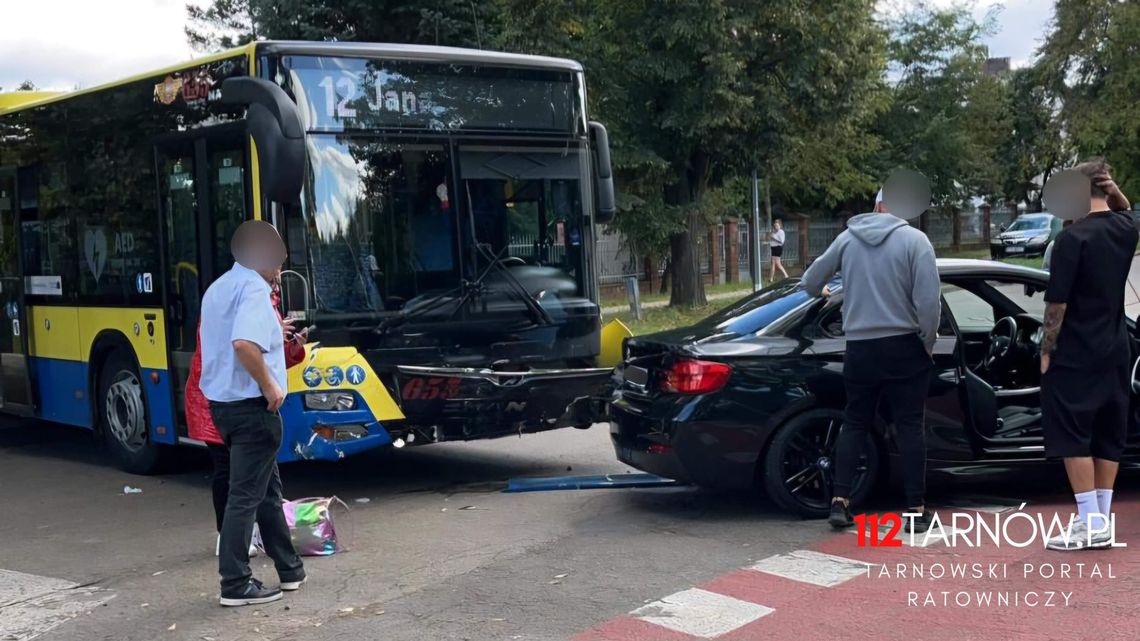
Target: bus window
[180, 202]
[227, 191]
[380, 222]
[48, 231]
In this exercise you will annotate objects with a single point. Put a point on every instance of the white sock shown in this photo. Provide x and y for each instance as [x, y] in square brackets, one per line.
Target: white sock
[1086, 505]
[1104, 501]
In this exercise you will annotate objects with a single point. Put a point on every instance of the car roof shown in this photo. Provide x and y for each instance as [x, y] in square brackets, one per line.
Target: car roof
[972, 267]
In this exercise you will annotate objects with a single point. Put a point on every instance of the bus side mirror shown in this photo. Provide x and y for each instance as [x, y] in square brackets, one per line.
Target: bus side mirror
[604, 176]
[274, 122]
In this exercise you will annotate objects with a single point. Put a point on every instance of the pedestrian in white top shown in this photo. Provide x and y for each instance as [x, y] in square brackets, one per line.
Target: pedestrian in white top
[776, 243]
[243, 378]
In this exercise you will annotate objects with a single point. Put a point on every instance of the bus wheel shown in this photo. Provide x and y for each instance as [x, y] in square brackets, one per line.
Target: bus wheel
[123, 416]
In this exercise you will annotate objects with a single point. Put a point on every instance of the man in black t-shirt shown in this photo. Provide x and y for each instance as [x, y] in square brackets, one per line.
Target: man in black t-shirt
[1085, 355]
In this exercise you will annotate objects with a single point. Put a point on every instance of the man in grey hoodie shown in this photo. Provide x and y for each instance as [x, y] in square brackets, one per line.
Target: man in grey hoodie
[891, 312]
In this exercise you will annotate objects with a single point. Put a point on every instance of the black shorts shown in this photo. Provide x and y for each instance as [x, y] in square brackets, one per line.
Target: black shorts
[1086, 413]
[777, 251]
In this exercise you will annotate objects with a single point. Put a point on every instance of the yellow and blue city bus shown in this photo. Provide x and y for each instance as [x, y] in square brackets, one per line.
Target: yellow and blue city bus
[439, 206]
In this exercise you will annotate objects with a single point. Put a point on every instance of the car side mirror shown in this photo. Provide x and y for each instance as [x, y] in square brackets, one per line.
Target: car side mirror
[274, 122]
[603, 174]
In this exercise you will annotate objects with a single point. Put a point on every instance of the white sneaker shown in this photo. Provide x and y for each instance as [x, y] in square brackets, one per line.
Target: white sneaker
[1078, 538]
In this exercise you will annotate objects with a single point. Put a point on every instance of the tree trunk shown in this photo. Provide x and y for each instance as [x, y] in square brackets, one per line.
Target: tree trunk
[665, 274]
[688, 286]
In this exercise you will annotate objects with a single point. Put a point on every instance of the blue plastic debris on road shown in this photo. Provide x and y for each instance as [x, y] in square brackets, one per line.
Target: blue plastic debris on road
[595, 482]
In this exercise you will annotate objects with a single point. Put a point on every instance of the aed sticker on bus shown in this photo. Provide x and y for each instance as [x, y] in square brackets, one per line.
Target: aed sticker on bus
[312, 376]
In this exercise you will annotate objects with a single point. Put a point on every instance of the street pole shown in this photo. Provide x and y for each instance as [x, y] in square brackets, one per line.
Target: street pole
[754, 237]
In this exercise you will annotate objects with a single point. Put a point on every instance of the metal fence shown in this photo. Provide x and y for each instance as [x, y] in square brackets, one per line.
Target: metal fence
[616, 263]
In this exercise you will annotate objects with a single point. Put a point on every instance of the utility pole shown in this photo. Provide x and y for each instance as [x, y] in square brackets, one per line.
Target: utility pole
[754, 236]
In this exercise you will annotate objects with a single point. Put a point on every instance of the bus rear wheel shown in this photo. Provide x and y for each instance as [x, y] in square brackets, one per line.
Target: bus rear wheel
[123, 417]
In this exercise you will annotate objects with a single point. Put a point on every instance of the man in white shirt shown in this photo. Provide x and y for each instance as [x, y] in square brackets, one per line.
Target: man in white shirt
[243, 377]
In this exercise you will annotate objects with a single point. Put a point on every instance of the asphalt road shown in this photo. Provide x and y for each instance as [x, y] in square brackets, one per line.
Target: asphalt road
[437, 551]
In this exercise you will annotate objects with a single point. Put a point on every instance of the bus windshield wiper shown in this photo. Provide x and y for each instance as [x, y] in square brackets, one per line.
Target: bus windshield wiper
[538, 314]
[466, 290]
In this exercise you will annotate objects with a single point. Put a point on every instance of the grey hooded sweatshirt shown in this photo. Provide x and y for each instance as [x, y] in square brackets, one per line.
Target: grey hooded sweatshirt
[890, 279]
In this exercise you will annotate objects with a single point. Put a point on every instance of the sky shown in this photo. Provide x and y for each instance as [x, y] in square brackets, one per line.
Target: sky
[62, 44]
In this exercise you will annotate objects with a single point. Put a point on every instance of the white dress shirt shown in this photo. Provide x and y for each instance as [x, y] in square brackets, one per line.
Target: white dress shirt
[238, 307]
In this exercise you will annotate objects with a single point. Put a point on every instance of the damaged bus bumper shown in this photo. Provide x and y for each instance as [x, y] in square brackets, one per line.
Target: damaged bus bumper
[449, 404]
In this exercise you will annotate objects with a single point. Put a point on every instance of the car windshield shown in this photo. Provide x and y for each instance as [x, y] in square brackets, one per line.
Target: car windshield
[757, 311]
[1029, 223]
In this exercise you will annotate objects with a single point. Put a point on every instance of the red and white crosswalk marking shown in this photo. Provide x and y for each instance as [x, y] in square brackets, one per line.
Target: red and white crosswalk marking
[701, 613]
[833, 591]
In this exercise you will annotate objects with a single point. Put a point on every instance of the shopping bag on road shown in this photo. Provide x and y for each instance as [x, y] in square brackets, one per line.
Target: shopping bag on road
[311, 525]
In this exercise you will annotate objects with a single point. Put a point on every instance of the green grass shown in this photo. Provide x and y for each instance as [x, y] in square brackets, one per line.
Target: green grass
[657, 319]
[720, 288]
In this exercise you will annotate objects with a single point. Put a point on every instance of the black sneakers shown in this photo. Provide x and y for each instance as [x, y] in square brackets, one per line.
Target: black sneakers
[294, 584]
[253, 593]
[840, 516]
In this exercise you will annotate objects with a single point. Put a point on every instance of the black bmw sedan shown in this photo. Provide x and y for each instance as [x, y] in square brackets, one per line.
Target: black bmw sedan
[753, 395]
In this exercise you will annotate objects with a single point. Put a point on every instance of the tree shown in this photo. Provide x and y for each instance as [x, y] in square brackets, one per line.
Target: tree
[1035, 146]
[946, 118]
[696, 92]
[1088, 61]
[229, 23]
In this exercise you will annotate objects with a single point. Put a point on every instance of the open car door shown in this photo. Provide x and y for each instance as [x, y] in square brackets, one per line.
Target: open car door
[1134, 415]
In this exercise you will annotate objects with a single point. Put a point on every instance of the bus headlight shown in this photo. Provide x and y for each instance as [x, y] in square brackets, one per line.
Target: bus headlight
[330, 401]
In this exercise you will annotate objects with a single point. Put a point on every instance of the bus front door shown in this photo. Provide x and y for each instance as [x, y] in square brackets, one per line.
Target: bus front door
[15, 386]
[203, 187]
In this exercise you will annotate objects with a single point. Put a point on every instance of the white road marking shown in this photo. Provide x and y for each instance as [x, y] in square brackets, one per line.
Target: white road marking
[31, 605]
[701, 613]
[807, 566]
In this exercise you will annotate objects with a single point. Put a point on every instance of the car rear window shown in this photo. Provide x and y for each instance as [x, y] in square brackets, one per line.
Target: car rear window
[757, 311]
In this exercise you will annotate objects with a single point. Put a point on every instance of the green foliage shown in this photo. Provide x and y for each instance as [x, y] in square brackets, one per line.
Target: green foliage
[228, 23]
[697, 92]
[1089, 61]
[1035, 146]
[945, 119]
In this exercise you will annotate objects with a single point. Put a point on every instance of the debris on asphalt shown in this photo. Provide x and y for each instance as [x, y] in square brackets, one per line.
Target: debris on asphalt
[561, 576]
[131, 490]
[145, 605]
[592, 482]
[159, 572]
[362, 500]
[470, 507]
[347, 610]
[172, 628]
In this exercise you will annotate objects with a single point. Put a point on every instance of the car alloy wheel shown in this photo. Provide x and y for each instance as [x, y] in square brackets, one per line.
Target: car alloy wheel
[799, 466]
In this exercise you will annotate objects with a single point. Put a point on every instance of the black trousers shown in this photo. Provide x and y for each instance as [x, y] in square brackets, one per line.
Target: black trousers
[253, 436]
[896, 371]
[219, 480]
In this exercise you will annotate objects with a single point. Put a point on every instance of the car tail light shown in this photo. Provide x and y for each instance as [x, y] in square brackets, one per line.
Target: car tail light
[695, 377]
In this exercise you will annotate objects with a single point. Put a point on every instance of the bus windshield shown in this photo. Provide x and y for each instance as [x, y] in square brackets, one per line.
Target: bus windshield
[422, 174]
[383, 224]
